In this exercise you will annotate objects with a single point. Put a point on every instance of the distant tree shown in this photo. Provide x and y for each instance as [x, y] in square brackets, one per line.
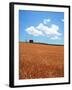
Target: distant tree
[31, 41]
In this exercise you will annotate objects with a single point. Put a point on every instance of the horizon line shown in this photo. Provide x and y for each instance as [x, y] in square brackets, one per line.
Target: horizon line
[42, 43]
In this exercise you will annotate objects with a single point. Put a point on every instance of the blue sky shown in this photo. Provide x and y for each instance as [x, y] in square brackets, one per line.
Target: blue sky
[41, 26]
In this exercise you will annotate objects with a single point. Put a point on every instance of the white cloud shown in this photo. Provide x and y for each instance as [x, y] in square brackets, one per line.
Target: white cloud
[32, 31]
[51, 32]
[41, 27]
[62, 20]
[55, 38]
[45, 21]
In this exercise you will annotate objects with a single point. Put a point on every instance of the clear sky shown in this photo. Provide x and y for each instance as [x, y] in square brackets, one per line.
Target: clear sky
[41, 26]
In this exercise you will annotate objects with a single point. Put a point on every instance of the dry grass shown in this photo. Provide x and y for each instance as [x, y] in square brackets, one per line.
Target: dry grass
[40, 61]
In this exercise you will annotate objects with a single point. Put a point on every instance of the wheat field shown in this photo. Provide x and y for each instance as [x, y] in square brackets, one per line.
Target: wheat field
[40, 61]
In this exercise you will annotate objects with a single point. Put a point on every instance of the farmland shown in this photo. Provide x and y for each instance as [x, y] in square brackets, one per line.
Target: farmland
[40, 61]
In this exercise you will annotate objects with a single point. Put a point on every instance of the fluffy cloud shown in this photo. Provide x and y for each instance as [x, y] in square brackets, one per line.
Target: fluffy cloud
[62, 20]
[51, 32]
[55, 38]
[33, 31]
[45, 21]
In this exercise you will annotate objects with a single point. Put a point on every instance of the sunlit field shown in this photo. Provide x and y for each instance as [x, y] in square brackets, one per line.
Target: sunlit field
[40, 61]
